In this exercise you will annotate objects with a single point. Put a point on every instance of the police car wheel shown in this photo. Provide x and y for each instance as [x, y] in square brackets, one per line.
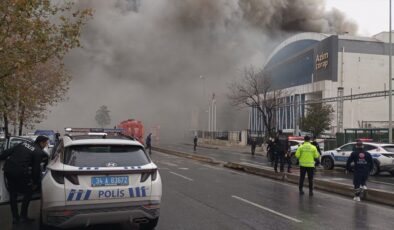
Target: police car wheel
[150, 225]
[327, 163]
[375, 169]
[44, 226]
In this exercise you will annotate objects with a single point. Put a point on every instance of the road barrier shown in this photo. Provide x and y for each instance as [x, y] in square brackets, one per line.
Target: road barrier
[373, 195]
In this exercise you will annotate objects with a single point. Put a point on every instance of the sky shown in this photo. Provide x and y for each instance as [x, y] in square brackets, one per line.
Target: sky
[372, 16]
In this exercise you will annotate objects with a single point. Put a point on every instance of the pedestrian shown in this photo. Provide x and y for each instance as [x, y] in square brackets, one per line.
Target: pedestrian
[314, 142]
[363, 164]
[253, 144]
[195, 140]
[270, 150]
[148, 142]
[23, 174]
[306, 154]
[57, 138]
[281, 150]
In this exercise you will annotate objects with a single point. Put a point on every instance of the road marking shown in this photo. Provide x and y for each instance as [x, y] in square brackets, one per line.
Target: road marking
[267, 209]
[222, 169]
[169, 164]
[184, 177]
[184, 168]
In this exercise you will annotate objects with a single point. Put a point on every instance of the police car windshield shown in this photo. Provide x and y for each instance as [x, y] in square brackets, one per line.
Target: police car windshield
[101, 155]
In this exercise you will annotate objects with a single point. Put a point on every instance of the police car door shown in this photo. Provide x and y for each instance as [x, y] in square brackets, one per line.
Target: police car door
[343, 154]
[9, 143]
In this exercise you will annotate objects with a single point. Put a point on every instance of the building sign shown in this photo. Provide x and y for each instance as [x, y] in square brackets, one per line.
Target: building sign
[322, 61]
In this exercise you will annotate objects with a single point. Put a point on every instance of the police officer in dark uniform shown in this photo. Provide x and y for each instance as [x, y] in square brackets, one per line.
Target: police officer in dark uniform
[148, 143]
[22, 170]
[314, 142]
[282, 148]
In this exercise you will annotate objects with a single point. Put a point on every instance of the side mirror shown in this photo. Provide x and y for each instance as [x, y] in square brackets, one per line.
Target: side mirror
[338, 149]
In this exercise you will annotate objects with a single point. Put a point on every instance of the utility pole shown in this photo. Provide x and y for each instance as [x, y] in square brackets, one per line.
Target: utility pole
[390, 85]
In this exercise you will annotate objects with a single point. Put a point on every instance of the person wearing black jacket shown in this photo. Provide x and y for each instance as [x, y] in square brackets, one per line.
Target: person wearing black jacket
[253, 145]
[363, 164]
[22, 170]
[314, 142]
[271, 150]
[195, 140]
[282, 149]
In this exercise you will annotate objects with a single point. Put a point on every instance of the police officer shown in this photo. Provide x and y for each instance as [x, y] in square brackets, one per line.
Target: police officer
[149, 143]
[23, 173]
[314, 142]
[306, 154]
[363, 164]
[282, 148]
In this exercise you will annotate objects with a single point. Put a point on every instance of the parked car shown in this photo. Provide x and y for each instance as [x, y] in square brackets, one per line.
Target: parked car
[382, 154]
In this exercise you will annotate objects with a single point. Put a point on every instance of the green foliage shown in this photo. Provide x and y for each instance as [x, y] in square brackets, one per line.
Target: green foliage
[318, 118]
[102, 116]
[34, 37]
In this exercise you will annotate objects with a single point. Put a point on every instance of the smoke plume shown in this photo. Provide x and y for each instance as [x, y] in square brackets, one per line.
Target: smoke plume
[158, 60]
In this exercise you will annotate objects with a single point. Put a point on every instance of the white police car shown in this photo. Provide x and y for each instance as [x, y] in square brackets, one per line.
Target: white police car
[99, 178]
[383, 156]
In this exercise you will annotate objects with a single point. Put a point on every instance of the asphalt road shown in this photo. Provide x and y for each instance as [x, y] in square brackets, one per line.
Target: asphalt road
[383, 181]
[199, 196]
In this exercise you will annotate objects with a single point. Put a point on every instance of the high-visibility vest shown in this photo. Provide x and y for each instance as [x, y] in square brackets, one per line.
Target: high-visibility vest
[306, 154]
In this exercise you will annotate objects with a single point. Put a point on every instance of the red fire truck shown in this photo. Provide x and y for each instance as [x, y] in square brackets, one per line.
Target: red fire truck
[133, 128]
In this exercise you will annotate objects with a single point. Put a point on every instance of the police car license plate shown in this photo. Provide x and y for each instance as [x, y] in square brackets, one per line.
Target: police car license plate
[110, 181]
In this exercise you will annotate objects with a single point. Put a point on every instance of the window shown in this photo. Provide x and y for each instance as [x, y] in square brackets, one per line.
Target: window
[15, 142]
[389, 148]
[100, 155]
[348, 147]
[59, 150]
[369, 147]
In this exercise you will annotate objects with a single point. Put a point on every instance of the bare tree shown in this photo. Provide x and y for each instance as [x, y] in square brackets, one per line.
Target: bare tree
[102, 116]
[255, 90]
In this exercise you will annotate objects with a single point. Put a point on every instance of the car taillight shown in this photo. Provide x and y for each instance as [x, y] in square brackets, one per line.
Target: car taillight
[145, 175]
[154, 175]
[58, 177]
[73, 179]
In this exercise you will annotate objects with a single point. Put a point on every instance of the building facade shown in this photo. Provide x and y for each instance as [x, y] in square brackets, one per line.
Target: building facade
[350, 73]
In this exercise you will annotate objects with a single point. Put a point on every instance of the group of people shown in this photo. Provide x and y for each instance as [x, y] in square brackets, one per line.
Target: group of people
[308, 155]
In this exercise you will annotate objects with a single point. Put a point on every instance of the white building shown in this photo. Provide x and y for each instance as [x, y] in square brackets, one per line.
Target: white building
[313, 66]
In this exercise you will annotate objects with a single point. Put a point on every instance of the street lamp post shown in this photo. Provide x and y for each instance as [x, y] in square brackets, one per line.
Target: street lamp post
[390, 84]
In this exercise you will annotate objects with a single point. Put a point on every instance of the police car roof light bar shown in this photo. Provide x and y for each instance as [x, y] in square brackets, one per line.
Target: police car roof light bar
[92, 130]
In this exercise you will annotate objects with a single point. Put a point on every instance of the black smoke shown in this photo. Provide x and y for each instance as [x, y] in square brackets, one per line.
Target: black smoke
[144, 58]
